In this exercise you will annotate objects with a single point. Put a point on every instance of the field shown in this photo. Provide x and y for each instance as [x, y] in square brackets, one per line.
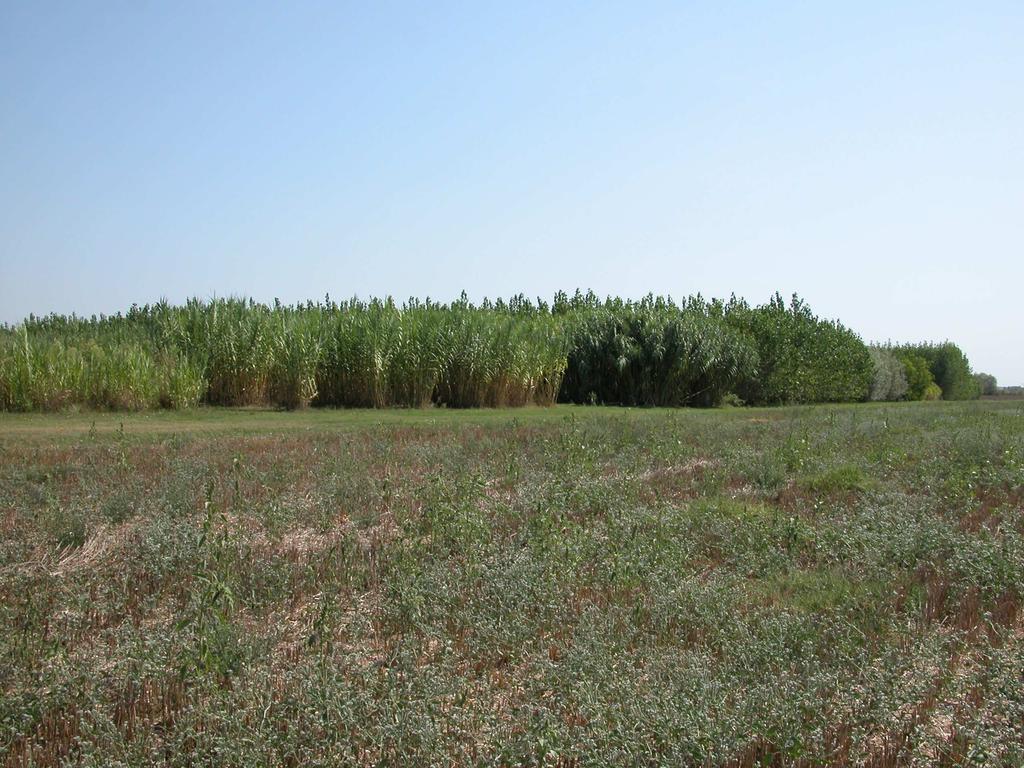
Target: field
[817, 585]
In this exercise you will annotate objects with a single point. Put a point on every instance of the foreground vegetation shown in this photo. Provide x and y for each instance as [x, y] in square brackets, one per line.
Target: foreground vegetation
[560, 586]
[578, 349]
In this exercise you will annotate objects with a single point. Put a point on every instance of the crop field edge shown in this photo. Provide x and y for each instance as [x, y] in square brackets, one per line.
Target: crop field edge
[226, 419]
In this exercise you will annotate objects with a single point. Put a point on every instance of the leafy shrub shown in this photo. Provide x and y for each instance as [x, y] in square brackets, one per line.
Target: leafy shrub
[803, 359]
[987, 384]
[890, 379]
[949, 368]
[654, 353]
[918, 374]
[732, 400]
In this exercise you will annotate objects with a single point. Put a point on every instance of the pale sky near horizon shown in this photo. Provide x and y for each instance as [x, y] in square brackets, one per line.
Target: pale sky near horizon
[868, 156]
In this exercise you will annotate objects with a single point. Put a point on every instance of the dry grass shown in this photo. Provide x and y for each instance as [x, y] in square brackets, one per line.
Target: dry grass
[617, 588]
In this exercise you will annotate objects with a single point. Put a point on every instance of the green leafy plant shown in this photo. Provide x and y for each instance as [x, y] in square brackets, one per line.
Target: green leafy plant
[949, 369]
[890, 378]
[918, 374]
[802, 358]
[376, 354]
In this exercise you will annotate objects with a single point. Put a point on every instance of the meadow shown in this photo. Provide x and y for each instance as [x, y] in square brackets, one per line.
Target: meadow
[563, 586]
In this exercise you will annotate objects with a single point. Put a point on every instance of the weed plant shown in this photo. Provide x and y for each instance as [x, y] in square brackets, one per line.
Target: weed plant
[796, 586]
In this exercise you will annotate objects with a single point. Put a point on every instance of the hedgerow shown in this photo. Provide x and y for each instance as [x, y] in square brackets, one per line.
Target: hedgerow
[652, 352]
[238, 352]
[802, 358]
[950, 369]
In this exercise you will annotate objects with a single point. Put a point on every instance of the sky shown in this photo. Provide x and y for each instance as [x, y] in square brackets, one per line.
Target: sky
[866, 156]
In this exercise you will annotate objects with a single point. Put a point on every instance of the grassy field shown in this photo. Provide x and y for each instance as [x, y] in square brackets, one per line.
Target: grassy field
[546, 586]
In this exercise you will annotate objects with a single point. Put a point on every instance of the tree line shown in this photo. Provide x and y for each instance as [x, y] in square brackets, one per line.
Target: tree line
[575, 349]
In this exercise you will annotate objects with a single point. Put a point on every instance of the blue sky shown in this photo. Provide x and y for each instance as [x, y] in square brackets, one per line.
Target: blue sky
[869, 157]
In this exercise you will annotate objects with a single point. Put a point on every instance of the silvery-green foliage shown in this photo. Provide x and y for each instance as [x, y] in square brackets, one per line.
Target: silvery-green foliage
[890, 378]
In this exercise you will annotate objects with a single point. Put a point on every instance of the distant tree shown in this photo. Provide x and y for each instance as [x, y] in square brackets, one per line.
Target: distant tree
[986, 383]
[802, 358]
[949, 367]
[918, 374]
[952, 372]
[890, 378]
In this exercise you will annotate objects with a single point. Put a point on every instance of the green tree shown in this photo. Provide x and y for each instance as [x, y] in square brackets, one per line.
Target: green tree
[987, 384]
[918, 374]
[950, 369]
[803, 359]
[890, 378]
